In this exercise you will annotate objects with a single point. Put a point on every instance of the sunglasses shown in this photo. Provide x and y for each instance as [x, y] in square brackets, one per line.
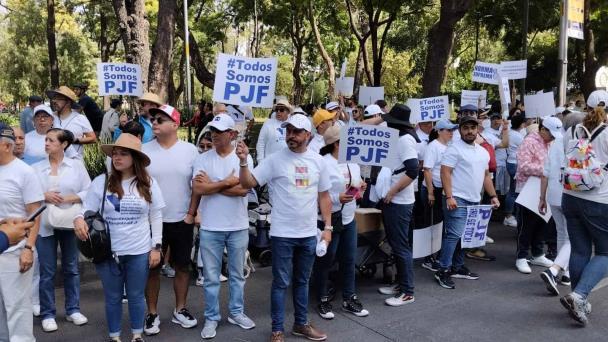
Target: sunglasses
[159, 119]
[282, 109]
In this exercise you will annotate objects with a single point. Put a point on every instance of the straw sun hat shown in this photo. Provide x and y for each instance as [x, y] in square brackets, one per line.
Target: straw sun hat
[128, 141]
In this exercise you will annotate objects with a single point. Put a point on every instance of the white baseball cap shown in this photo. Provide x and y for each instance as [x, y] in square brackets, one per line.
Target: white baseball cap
[372, 110]
[596, 97]
[43, 108]
[223, 122]
[332, 105]
[554, 125]
[298, 121]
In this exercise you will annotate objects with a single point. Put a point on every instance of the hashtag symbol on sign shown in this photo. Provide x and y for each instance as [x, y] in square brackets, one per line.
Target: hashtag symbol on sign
[351, 131]
[105, 67]
[231, 63]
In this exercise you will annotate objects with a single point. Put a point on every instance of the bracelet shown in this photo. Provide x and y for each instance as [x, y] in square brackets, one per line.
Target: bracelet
[29, 247]
[244, 165]
[493, 196]
[449, 197]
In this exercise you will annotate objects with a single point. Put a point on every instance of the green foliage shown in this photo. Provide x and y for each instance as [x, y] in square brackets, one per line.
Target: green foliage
[94, 159]
[9, 119]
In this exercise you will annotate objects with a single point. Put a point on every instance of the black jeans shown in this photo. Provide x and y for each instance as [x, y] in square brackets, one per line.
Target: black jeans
[530, 233]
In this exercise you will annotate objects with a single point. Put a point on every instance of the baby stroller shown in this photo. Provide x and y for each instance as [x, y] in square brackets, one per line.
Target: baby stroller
[259, 226]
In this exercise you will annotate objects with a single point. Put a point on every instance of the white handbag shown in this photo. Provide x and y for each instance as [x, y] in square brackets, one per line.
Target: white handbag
[62, 218]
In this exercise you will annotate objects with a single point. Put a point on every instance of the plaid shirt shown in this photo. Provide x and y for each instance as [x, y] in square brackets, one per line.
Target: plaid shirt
[530, 159]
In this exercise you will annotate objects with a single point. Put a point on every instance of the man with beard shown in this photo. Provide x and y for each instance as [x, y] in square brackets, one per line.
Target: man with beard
[464, 171]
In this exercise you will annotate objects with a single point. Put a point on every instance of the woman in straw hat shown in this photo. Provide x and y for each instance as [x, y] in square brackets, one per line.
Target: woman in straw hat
[62, 101]
[133, 206]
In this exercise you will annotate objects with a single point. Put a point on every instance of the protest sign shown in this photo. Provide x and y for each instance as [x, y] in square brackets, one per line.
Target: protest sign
[514, 70]
[369, 95]
[343, 69]
[344, 86]
[528, 198]
[369, 145]
[476, 98]
[576, 11]
[427, 241]
[539, 105]
[476, 226]
[485, 72]
[504, 89]
[429, 109]
[245, 81]
[119, 79]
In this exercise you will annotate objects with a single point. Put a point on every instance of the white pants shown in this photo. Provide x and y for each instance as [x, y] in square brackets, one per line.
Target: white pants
[16, 321]
[563, 241]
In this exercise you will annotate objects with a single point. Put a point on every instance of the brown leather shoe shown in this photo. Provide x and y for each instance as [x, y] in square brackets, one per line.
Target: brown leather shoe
[277, 336]
[309, 332]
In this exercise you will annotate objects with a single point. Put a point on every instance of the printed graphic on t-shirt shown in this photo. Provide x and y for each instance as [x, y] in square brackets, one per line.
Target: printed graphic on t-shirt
[130, 207]
[280, 134]
[302, 179]
[115, 202]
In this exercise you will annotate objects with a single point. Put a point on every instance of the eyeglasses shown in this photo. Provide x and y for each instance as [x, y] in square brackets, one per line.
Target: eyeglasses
[205, 147]
[355, 111]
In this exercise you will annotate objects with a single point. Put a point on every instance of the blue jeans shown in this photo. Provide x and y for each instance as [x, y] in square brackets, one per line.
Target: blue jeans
[212, 250]
[511, 195]
[343, 246]
[291, 257]
[587, 228]
[47, 256]
[131, 275]
[396, 219]
[453, 228]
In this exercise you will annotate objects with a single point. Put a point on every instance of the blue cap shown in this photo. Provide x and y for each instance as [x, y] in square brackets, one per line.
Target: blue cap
[468, 107]
[445, 124]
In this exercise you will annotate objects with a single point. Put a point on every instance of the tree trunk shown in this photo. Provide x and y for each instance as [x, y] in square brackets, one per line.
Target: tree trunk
[440, 43]
[201, 72]
[134, 27]
[160, 61]
[358, 72]
[591, 62]
[298, 91]
[52, 46]
[331, 72]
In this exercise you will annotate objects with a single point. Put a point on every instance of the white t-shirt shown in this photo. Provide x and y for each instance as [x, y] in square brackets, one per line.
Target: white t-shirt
[128, 218]
[220, 212]
[406, 150]
[19, 186]
[552, 169]
[353, 179]
[422, 145]
[316, 144]
[432, 160]
[470, 163]
[271, 139]
[34, 146]
[173, 169]
[78, 124]
[515, 139]
[341, 180]
[501, 153]
[295, 179]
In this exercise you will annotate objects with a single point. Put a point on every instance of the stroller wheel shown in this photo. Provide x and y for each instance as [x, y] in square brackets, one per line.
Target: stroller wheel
[368, 271]
[265, 258]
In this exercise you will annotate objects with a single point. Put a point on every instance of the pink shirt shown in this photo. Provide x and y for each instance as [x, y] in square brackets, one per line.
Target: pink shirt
[530, 159]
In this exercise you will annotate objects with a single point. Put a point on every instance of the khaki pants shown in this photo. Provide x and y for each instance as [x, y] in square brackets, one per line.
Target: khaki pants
[16, 321]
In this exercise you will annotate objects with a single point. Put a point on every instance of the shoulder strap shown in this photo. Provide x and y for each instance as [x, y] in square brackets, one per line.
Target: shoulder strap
[597, 132]
[105, 190]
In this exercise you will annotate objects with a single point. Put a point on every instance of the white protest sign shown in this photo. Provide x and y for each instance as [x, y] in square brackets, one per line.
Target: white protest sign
[369, 95]
[477, 98]
[539, 105]
[504, 89]
[528, 196]
[429, 109]
[427, 241]
[344, 86]
[369, 145]
[485, 72]
[119, 79]
[476, 226]
[245, 81]
[514, 70]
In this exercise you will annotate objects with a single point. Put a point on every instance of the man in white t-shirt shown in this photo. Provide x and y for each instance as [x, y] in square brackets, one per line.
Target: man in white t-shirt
[272, 135]
[20, 195]
[172, 163]
[464, 173]
[322, 119]
[224, 224]
[300, 184]
[35, 140]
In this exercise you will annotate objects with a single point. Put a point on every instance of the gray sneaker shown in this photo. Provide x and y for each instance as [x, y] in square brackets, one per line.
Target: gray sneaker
[576, 307]
[242, 321]
[209, 329]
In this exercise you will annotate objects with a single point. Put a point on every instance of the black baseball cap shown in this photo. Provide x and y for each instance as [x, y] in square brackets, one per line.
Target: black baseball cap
[7, 132]
[467, 119]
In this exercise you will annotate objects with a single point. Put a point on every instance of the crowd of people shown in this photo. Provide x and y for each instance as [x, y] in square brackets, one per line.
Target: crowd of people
[157, 188]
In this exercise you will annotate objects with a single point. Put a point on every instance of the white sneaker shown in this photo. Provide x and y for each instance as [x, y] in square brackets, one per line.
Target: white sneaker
[522, 266]
[36, 310]
[200, 281]
[489, 239]
[168, 271]
[77, 318]
[541, 261]
[389, 290]
[399, 299]
[49, 325]
[510, 221]
[184, 318]
[209, 329]
[223, 278]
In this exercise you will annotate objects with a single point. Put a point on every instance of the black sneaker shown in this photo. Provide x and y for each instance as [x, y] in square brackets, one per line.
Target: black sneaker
[137, 339]
[444, 279]
[464, 273]
[152, 326]
[324, 309]
[550, 282]
[565, 280]
[431, 265]
[354, 306]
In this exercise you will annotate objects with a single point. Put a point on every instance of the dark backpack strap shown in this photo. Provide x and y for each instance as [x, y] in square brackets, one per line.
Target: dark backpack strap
[597, 132]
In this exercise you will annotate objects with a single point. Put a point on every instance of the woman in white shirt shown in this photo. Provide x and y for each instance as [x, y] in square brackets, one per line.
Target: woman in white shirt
[35, 140]
[132, 211]
[65, 182]
[516, 137]
[346, 187]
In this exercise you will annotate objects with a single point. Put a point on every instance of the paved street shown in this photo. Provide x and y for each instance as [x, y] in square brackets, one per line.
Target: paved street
[503, 305]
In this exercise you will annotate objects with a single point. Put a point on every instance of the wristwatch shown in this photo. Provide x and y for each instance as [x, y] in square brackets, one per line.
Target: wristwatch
[329, 228]
[29, 247]
[158, 247]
